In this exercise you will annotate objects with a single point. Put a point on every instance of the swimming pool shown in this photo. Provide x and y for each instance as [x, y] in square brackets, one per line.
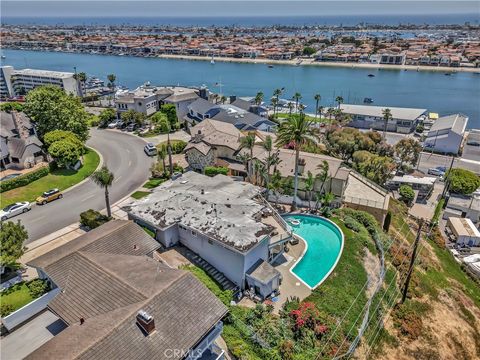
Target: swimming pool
[324, 245]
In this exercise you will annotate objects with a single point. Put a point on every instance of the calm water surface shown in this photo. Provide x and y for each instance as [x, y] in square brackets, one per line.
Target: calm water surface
[434, 91]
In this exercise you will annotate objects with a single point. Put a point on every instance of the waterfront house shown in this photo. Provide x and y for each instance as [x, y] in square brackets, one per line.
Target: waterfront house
[19, 145]
[464, 231]
[225, 222]
[446, 134]
[404, 120]
[118, 302]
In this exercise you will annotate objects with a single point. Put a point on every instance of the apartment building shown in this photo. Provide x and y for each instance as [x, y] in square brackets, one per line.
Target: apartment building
[19, 82]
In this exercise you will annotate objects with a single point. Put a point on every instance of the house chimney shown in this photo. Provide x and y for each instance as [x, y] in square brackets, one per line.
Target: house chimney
[146, 322]
[82, 321]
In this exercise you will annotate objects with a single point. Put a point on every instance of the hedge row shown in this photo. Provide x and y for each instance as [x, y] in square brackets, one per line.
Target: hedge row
[23, 180]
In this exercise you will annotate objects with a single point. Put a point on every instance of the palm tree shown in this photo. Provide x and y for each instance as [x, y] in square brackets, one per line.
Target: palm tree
[111, 80]
[339, 100]
[323, 174]
[387, 116]
[276, 95]
[248, 142]
[299, 131]
[309, 185]
[297, 96]
[268, 145]
[223, 99]
[330, 112]
[259, 98]
[274, 102]
[81, 77]
[162, 155]
[317, 98]
[290, 108]
[104, 178]
[276, 185]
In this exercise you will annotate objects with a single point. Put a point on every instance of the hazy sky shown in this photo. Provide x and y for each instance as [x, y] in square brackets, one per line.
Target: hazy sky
[161, 8]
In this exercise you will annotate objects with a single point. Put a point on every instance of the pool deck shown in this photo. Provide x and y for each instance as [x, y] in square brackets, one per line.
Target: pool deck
[291, 285]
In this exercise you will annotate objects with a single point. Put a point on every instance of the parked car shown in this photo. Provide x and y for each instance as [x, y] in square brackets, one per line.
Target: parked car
[131, 127]
[150, 149]
[15, 209]
[121, 125]
[11, 176]
[114, 124]
[48, 196]
[437, 171]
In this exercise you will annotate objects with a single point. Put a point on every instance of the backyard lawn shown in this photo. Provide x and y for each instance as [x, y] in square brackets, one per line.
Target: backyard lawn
[18, 298]
[60, 178]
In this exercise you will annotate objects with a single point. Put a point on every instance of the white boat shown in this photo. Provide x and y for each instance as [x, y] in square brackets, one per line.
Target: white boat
[4, 57]
[212, 61]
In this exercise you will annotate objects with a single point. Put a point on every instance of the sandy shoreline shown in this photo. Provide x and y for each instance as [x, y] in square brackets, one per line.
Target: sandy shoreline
[311, 62]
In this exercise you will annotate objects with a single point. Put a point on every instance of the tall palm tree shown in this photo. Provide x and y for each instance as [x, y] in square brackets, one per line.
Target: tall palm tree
[259, 98]
[317, 98]
[248, 142]
[323, 174]
[223, 99]
[290, 108]
[297, 97]
[387, 116]
[309, 185]
[104, 178]
[111, 80]
[276, 95]
[274, 102]
[339, 101]
[299, 131]
[162, 155]
[268, 146]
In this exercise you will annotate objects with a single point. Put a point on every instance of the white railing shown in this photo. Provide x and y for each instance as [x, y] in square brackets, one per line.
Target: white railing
[31, 309]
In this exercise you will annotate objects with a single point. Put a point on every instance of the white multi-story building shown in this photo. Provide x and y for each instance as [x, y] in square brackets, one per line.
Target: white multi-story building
[19, 82]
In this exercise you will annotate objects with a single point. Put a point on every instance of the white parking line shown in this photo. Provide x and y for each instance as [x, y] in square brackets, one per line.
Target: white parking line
[117, 179]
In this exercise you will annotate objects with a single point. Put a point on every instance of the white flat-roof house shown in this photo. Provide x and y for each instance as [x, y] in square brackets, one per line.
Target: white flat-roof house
[147, 99]
[404, 120]
[226, 222]
[446, 134]
[464, 231]
[19, 82]
[463, 206]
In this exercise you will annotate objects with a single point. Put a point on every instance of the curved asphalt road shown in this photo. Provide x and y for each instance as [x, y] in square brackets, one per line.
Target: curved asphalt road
[124, 156]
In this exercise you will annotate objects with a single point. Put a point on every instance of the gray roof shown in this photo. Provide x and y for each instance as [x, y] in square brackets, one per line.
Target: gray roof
[225, 210]
[8, 126]
[114, 237]
[242, 104]
[457, 123]
[376, 111]
[263, 271]
[16, 146]
[200, 106]
[108, 290]
[3, 147]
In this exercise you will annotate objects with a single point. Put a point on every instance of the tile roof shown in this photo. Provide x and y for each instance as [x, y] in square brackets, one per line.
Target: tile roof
[216, 133]
[108, 289]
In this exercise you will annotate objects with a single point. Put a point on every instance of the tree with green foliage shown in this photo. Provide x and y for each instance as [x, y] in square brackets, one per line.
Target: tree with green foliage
[374, 167]
[65, 152]
[259, 98]
[104, 178]
[387, 116]
[308, 51]
[323, 175]
[215, 170]
[12, 237]
[407, 152]
[297, 131]
[11, 106]
[406, 194]
[111, 80]
[106, 116]
[339, 101]
[171, 112]
[133, 117]
[248, 142]
[317, 98]
[297, 97]
[162, 155]
[50, 108]
[462, 181]
[276, 95]
[60, 135]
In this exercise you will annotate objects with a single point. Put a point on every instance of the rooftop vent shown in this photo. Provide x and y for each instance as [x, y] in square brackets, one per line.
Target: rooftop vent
[146, 322]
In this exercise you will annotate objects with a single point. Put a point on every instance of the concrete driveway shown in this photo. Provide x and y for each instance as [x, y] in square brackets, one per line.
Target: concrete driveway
[123, 153]
[30, 336]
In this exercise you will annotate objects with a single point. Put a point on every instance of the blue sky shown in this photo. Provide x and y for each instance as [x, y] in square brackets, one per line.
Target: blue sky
[161, 8]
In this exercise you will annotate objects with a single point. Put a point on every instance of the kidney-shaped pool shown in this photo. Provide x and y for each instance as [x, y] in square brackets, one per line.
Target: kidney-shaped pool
[324, 245]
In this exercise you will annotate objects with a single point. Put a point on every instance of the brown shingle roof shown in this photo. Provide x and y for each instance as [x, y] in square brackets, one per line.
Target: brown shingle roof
[108, 290]
[114, 237]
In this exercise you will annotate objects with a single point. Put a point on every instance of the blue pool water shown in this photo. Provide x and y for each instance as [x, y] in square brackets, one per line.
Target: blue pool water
[324, 246]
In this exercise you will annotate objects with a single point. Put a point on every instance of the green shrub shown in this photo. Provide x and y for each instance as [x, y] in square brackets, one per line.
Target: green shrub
[463, 181]
[6, 309]
[215, 170]
[92, 219]
[9, 106]
[388, 220]
[406, 194]
[176, 145]
[438, 211]
[352, 224]
[23, 180]
[37, 287]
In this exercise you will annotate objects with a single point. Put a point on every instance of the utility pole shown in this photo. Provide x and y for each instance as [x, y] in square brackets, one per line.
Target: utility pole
[412, 261]
[447, 182]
